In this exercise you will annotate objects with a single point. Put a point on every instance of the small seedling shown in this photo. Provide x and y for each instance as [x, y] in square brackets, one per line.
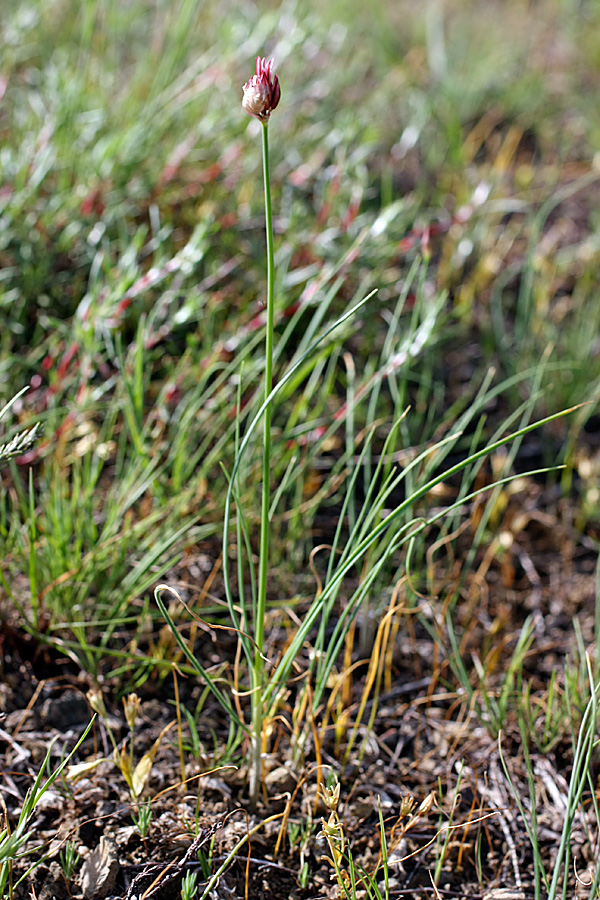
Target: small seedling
[143, 817]
[205, 858]
[189, 886]
[304, 875]
[69, 860]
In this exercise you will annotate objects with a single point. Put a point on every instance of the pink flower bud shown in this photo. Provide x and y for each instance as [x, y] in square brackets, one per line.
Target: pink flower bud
[261, 93]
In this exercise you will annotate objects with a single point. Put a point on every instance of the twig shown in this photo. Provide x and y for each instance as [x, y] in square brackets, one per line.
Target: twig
[164, 873]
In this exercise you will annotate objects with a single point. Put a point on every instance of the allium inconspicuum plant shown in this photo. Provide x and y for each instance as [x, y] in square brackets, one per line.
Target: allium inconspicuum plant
[375, 527]
[261, 96]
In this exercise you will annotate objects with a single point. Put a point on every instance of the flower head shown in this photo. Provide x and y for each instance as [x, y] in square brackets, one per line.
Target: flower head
[131, 704]
[96, 701]
[261, 93]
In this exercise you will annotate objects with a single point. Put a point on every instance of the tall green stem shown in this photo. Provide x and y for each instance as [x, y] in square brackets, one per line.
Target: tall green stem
[263, 565]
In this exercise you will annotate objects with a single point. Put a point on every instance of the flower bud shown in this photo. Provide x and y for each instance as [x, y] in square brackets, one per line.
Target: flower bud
[407, 805]
[330, 796]
[261, 93]
[132, 704]
[96, 701]
[426, 804]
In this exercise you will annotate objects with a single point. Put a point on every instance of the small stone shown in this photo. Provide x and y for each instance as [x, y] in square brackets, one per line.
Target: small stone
[362, 807]
[54, 886]
[50, 802]
[99, 871]
[279, 780]
[66, 710]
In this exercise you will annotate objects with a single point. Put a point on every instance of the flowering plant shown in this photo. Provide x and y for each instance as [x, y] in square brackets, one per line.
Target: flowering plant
[261, 96]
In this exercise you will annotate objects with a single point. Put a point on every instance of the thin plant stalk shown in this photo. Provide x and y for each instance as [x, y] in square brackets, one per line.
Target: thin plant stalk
[263, 565]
